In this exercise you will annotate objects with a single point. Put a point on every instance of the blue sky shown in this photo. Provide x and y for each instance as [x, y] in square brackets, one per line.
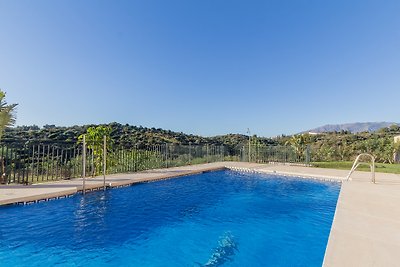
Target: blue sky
[205, 67]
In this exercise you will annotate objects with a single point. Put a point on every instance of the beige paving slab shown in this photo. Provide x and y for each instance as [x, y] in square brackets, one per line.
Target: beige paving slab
[26, 194]
[366, 227]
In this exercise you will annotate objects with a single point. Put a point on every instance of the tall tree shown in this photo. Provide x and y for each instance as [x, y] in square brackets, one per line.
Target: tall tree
[94, 141]
[7, 113]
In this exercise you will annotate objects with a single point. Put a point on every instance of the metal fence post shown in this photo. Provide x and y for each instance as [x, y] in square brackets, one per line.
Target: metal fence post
[208, 159]
[190, 153]
[84, 164]
[92, 170]
[166, 155]
[33, 161]
[308, 155]
[104, 161]
[248, 130]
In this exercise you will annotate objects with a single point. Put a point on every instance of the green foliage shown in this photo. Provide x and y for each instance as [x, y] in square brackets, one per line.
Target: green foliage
[345, 146]
[128, 136]
[299, 143]
[334, 146]
[346, 165]
[7, 113]
[94, 137]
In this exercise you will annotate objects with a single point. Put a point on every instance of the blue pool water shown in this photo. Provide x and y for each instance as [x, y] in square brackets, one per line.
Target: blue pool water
[219, 218]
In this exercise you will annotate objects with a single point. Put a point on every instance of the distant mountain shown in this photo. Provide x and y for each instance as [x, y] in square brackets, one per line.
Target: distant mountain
[353, 127]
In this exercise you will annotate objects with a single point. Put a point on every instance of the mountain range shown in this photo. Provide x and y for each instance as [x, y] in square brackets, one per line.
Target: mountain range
[353, 127]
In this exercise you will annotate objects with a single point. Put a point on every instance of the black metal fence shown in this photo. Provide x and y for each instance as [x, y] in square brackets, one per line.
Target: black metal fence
[41, 161]
[139, 158]
[33, 162]
[270, 154]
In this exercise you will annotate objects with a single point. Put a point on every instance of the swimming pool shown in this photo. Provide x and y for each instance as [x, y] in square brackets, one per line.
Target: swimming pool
[221, 218]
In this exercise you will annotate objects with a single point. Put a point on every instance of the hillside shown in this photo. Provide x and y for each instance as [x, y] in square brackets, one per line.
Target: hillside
[125, 135]
[339, 145]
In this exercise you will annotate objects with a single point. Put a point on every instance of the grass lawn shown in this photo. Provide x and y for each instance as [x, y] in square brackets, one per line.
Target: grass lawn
[346, 165]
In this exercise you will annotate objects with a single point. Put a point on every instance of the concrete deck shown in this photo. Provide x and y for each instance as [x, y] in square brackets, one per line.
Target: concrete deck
[365, 229]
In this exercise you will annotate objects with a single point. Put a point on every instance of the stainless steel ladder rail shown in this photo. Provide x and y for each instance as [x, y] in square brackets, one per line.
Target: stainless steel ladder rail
[356, 164]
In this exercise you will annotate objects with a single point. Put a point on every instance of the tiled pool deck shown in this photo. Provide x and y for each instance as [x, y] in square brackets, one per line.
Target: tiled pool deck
[366, 226]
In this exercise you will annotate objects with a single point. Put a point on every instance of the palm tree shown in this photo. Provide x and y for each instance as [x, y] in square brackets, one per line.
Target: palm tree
[7, 118]
[299, 143]
[7, 113]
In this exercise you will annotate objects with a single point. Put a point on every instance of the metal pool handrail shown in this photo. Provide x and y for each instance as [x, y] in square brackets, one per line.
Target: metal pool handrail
[356, 164]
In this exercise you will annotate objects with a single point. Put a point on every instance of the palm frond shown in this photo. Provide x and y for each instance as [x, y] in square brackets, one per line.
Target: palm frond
[7, 113]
